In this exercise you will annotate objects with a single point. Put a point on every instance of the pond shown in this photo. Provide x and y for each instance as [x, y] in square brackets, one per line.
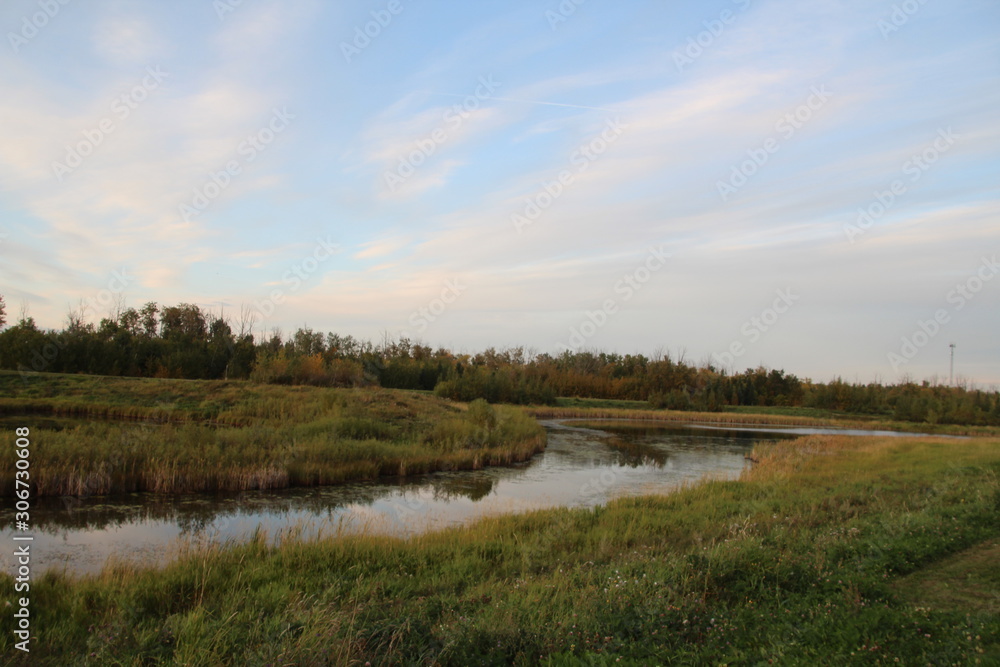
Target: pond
[580, 467]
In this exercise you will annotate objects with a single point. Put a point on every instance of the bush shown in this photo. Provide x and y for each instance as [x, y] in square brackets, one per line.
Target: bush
[278, 368]
[496, 386]
[676, 399]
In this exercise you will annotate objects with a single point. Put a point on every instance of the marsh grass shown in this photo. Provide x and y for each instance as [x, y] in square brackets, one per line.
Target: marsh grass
[798, 562]
[182, 436]
[786, 417]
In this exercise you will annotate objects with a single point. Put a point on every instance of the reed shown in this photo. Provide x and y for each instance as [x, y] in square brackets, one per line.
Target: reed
[754, 419]
[183, 436]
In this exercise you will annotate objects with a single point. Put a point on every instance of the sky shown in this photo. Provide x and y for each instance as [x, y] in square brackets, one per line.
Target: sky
[810, 186]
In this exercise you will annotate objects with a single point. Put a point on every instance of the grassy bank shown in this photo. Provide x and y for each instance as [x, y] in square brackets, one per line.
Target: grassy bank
[597, 409]
[646, 406]
[799, 562]
[178, 436]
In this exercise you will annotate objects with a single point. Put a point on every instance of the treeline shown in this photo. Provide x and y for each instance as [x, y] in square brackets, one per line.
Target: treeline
[184, 341]
[172, 341]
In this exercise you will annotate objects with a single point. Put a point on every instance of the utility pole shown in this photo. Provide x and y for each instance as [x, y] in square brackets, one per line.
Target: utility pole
[951, 374]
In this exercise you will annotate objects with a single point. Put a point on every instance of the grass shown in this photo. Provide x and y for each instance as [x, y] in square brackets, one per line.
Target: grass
[605, 403]
[601, 403]
[790, 411]
[181, 436]
[967, 581]
[819, 413]
[801, 561]
[600, 409]
[209, 402]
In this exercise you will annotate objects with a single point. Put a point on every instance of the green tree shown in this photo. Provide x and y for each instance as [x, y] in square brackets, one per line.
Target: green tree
[148, 319]
[184, 323]
[129, 321]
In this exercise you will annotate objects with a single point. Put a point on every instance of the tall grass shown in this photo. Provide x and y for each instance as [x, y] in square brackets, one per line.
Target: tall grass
[231, 436]
[747, 418]
[795, 563]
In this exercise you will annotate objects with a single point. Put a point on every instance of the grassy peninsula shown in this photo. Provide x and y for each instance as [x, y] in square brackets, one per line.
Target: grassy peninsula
[179, 436]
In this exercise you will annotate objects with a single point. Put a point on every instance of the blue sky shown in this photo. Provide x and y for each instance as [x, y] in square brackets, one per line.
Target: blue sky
[636, 176]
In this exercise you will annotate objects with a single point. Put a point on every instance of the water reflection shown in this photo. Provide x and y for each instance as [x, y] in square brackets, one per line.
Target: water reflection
[37, 423]
[196, 512]
[580, 467]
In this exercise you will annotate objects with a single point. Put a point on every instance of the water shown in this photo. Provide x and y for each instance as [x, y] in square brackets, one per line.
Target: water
[580, 467]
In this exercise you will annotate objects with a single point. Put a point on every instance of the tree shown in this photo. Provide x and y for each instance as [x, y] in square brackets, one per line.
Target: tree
[306, 342]
[3, 313]
[129, 321]
[148, 319]
[184, 322]
[247, 318]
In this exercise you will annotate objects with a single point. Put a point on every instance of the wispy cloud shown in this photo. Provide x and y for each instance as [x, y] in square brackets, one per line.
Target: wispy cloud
[460, 175]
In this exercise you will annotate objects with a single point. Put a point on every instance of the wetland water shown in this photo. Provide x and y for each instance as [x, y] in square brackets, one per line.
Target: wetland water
[580, 467]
